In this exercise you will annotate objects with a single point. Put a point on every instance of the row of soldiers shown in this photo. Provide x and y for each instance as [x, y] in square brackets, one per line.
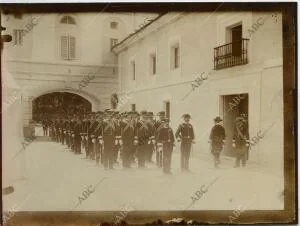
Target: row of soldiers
[105, 135]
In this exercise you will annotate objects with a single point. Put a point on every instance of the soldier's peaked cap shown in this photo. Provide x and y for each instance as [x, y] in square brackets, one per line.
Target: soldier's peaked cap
[217, 119]
[150, 113]
[166, 120]
[186, 116]
[162, 113]
[144, 112]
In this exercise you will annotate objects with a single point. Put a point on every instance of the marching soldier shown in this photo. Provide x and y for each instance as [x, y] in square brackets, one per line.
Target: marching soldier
[127, 134]
[165, 141]
[141, 138]
[240, 141]
[185, 135]
[217, 137]
[157, 125]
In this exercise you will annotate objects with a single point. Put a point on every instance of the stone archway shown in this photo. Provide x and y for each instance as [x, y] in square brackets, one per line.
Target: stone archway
[59, 103]
[32, 96]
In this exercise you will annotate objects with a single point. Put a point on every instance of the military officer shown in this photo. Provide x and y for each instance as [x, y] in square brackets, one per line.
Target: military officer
[151, 141]
[77, 137]
[217, 137]
[127, 135]
[185, 135]
[91, 136]
[165, 141]
[240, 141]
[118, 142]
[108, 135]
[157, 126]
[141, 138]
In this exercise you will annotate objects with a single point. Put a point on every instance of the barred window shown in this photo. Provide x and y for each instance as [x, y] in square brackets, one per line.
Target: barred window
[18, 37]
[113, 42]
[68, 47]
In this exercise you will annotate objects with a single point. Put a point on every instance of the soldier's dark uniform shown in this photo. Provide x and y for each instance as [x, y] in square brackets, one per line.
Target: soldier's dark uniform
[56, 126]
[45, 126]
[157, 125]
[77, 137]
[94, 139]
[118, 136]
[151, 141]
[68, 123]
[127, 135]
[142, 137]
[165, 140]
[217, 137]
[134, 121]
[241, 141]
[84, 135]
[92, 127]
[108, 136]
[99, 139]
[185, 134]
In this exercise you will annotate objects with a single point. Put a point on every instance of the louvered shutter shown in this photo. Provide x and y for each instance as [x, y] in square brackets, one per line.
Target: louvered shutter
[64, 47]
[72, 46]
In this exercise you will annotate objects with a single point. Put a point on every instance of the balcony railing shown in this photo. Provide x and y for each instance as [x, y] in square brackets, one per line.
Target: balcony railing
[231, 54]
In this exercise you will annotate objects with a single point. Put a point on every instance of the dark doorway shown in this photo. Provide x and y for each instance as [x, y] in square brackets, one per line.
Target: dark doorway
[236, 36]
[232, 106]
[59, 103]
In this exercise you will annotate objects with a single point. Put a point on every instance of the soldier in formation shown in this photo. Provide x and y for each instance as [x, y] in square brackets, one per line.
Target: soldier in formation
[105, 137]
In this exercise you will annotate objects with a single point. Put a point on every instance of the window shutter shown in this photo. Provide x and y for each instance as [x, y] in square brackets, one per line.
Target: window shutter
[72, 47]
[64, 47]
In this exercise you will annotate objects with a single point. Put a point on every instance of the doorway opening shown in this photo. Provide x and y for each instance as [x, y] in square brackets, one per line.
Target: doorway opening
[59, 103]
[232, 106]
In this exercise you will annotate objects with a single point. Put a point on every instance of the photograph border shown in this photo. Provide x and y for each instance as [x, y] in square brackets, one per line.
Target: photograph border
[289, 36]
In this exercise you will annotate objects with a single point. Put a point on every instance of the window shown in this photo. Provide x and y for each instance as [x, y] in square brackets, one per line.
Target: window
[113, 25]
[167, 109]
[113, 42]
[153, 64]
[18, 37]
[133, 70]
[68, 47]
[67, 20]
[175, 61]
[133, 107]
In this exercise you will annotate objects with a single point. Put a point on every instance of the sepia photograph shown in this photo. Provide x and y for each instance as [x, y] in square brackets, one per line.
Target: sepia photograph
[148, 114]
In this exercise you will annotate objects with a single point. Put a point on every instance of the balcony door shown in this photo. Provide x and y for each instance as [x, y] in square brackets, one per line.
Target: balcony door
[236, 39]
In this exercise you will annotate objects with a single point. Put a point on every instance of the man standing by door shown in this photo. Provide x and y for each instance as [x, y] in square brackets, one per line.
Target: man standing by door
[185, 135]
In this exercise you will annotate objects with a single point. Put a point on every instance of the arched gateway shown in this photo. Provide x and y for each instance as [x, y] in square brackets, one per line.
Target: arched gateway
[59, 103]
